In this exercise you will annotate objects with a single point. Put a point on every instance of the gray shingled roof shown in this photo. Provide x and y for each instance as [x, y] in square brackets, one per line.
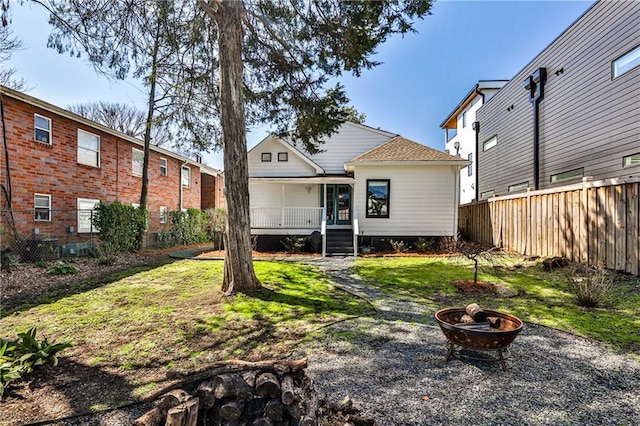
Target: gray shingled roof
[403, 149]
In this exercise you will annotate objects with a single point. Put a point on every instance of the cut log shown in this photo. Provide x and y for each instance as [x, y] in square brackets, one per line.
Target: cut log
[185, 414]
[205, 394]
[343, 406]
[267, 385]
[255, 408]
[311, 405]
[262, 421]
[296, 411]
[157, 415]
[364, 420]
[232, 410]
[288, 394]
[495, 322]
[482, 326]
[274, 410]
[466, 319]
[231, 385]
[476, 312]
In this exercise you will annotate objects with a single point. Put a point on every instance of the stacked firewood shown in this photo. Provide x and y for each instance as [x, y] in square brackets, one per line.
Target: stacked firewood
[241, 393]
[476, 319]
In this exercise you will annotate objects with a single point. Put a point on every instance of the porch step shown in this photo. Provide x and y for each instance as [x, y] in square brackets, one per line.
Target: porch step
[339, 242]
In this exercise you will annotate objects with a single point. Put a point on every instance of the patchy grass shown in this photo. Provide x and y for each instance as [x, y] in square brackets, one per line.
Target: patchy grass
[539, 297]
[175, 317]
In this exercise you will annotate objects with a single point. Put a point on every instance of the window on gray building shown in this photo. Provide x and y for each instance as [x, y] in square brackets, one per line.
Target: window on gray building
[626, 62]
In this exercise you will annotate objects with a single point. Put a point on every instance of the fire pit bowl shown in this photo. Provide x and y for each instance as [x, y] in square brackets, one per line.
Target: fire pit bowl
[490, 339]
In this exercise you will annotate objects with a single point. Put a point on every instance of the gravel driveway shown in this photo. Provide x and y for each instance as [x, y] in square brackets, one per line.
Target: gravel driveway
[393, 365]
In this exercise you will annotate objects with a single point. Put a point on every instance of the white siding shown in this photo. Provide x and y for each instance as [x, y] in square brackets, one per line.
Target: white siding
[467, 138]
[295, 166]
[422, 200]
[263, 194]
[351, 141]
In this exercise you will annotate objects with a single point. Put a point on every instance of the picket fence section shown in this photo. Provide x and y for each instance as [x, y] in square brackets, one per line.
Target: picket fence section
[595, 222]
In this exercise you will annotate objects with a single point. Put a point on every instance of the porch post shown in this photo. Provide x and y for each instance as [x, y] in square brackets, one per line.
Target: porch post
[282, 224]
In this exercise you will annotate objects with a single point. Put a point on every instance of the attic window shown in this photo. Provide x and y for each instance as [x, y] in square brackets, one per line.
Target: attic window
[283, 156]
[266, 157]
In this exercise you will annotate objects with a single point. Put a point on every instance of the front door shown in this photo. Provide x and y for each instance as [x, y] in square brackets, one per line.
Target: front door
[338, 204]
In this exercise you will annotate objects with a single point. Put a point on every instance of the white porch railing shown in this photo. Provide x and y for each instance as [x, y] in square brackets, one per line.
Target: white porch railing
[286, 217]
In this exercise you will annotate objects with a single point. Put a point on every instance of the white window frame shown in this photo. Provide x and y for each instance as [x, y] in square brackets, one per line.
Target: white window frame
[39, 210]
[470, 166]
[88, 150]
[36, 128]
[625, 63]
[136, 171]
[83, 211]
[464, 119]
[567, 175]
[487, 194]
[164, 214]
[490, 143]
[631, 160]
[518, 187]
[164, 167]
[186, 169]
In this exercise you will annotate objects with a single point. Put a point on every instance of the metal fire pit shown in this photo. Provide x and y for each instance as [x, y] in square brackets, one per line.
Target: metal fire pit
[494, 339]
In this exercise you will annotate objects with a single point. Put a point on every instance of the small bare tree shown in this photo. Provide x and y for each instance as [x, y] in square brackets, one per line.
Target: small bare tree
[474, 252]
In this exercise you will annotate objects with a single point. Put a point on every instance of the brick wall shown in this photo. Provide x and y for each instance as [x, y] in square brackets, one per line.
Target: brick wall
[54, 170]
[212, 192]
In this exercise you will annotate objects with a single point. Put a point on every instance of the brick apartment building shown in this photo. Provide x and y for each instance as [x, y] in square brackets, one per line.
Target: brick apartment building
[61, 165]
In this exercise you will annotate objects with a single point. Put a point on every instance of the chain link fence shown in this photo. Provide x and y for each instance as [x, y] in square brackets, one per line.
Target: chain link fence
[42, 234]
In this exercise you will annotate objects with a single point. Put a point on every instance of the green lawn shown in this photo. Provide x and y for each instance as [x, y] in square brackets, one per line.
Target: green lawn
[175, 316]
[537, 296]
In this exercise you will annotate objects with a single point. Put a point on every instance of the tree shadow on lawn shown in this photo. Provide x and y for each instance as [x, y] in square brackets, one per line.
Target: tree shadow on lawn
[19, 301]
[73, 390]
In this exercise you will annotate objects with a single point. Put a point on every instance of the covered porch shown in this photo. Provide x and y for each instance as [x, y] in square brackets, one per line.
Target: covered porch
[302, 206]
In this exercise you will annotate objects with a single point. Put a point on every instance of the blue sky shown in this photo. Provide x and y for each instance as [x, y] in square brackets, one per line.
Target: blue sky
[422, 78]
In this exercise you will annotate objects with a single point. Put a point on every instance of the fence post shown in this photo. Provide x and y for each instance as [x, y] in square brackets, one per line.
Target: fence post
[584, 224]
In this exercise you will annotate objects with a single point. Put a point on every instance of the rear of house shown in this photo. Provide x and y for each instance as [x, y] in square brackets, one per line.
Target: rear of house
[365, 188]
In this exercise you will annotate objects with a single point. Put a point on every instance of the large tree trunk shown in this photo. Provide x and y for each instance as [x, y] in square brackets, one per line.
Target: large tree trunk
[239, 275]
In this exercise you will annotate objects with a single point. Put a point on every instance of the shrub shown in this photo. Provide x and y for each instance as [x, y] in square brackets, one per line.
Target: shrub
[19, 357]
[423, 245]
[399, 246]
[591, 286]
[294, 243]
[121, 227]
[63, 268]
[188, 227]
[216, 225]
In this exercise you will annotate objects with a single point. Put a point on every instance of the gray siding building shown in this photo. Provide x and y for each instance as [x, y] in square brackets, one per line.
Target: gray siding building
[572, 112]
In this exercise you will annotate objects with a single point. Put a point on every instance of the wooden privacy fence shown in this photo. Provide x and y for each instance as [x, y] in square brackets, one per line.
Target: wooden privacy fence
[593, 222]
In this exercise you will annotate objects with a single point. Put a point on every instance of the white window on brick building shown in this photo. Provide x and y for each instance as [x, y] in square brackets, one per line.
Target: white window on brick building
[88, 148]
[42, 207]
[137, 161]
[42, 129]
[164, 214]
[186, 176]
[86, 211]
[163, 167]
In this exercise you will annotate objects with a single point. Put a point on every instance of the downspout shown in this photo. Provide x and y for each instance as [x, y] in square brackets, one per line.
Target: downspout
[479, 92]
[535, 85]
[476, 128]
